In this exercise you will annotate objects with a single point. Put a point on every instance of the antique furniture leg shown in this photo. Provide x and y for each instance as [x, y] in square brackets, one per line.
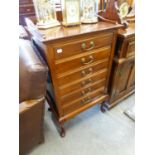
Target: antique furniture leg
[59, 126]
[79, 66]
[103, 107]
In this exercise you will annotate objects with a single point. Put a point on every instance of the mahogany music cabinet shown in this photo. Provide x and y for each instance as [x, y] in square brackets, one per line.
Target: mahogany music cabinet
[79, 59]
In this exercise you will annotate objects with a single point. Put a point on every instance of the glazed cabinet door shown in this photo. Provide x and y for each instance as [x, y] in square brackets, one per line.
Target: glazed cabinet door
[123, 78]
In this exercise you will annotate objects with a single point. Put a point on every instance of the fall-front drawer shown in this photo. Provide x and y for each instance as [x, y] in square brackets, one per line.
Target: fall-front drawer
[83, 91]
[72, 63]
[82, 72]
[82, 83]
[80, 102]
[82, 46]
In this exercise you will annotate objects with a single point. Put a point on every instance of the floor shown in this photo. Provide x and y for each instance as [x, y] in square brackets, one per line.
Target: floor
[92, 133]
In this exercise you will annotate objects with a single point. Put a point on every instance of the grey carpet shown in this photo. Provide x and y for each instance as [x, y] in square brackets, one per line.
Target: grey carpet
[91, 133]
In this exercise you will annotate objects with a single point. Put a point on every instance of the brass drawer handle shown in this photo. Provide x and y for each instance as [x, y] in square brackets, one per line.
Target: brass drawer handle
[84, 83]
[84, 73]
[86, 100]
[84, 92]
[91, 59]
[92, 45]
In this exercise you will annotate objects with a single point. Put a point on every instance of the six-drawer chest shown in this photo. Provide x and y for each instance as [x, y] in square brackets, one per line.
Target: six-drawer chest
[79, 59]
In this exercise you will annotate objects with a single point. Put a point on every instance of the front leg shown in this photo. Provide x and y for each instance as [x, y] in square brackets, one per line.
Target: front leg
[103, 107]
[62, 131]
[59, 126]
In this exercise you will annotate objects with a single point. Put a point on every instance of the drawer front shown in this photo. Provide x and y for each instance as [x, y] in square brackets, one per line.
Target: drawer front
[85, 72]
[80, 102]
[82, 83]
[83, 92]
[130, 47]
[82, 46]
[73, 63]
[26, 9]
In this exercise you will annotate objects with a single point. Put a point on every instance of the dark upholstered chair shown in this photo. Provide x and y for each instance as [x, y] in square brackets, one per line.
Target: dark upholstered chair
[32, 87]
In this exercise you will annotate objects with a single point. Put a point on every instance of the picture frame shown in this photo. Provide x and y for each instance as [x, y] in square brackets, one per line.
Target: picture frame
[89, 11]
[70, 12]
[45, 13]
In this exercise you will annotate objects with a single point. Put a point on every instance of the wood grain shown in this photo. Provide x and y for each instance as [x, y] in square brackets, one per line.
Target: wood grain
[79, 75]
[122, 79]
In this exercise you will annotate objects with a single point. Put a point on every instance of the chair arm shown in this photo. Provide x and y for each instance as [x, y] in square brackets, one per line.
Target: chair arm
[26, 105]
[32, 71]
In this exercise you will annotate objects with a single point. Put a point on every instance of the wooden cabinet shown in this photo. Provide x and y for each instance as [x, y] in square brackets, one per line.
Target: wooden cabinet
[26, 9]
[79, 59]
[122, 78]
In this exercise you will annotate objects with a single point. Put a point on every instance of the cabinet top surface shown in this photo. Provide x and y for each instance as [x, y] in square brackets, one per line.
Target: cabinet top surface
[127, 32]
[61, 32]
